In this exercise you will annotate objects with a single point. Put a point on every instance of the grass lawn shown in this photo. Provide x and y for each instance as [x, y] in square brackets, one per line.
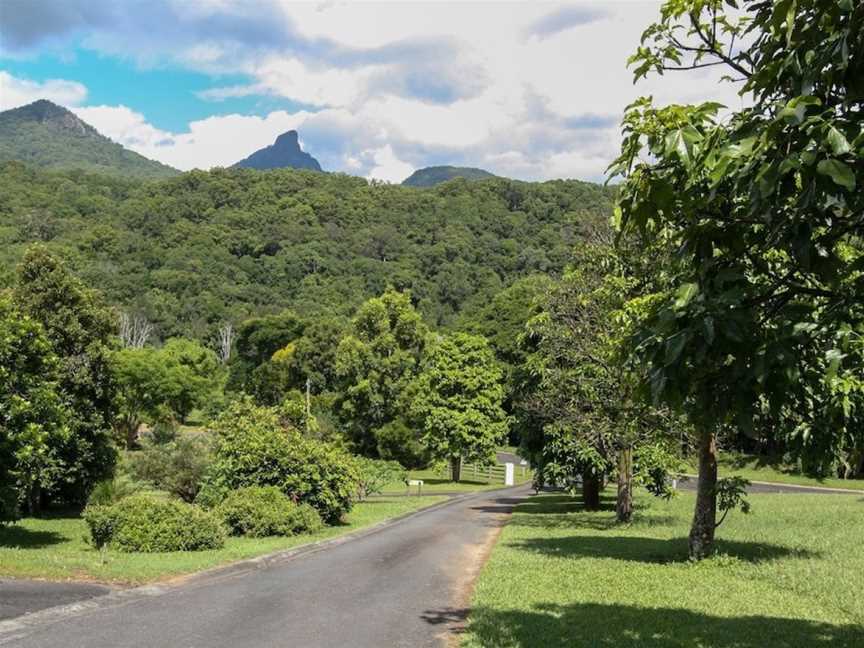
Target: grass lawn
[762, 469]
[438, 481]
[787, 575]
[55, 548]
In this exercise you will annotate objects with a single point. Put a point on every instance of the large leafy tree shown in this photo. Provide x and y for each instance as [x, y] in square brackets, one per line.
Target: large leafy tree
[583, 389]
[376, 364]
[31, 413]
[79, 327]
[458, 401]
[760, 323]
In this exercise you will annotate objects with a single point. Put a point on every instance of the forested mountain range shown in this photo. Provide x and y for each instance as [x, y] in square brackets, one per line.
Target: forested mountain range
[285, 152]
[431, 176]
[44, 134]
[196, 250]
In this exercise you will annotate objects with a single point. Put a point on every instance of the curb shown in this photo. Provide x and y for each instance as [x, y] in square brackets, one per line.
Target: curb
[12, 629]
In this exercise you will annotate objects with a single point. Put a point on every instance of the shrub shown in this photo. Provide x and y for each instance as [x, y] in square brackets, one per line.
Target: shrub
[398, 442]
[150, 524]
[177, 467]
[375, 474]
[110, 491]
[254, 448]
[259, 511]
[305, 519]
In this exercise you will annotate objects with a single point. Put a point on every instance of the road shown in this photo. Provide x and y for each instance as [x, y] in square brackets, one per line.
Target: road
[689, 483]
[404, 585]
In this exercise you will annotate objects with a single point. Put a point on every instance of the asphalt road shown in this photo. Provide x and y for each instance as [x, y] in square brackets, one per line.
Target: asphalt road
[405, 585]
[689, 483]
[19, 597]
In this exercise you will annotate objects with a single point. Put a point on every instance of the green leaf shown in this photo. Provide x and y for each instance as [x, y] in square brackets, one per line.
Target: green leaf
[685, 294]
[838, 142]
[838, 171]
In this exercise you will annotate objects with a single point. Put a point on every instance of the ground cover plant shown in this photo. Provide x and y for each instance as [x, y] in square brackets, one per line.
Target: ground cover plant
[785, 576]
[58, 547]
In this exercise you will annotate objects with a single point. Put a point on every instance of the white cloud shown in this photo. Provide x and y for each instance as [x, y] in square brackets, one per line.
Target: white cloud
[529, 90]
[16, 92]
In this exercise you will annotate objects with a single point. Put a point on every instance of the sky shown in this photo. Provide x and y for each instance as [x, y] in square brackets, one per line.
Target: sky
[529, 90]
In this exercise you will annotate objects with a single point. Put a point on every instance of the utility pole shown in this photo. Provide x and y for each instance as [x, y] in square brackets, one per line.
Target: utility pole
[308, 403]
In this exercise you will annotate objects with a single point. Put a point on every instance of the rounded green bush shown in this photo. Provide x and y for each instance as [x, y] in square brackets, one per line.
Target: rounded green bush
[305, 519]
[150, 524]
[257, 511]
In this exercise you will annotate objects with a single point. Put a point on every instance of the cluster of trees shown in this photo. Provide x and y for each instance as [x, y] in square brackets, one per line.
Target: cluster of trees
[755, 324]
[197, 251]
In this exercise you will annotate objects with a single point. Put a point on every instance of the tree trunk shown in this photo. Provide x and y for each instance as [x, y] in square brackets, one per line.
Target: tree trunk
[705, 515]
[590, 491]
[131, 433]
[34, 499]
[624, 507]
[455, 468]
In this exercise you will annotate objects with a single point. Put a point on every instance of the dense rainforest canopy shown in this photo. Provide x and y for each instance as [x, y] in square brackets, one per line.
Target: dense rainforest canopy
[192, 252]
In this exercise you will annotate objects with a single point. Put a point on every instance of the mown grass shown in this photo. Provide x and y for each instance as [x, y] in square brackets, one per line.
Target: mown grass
[56, 548]
[770, 470]
[788, 575]
[438, 481]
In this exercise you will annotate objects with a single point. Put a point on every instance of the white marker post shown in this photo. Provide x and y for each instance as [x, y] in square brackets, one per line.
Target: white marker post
[509, 474]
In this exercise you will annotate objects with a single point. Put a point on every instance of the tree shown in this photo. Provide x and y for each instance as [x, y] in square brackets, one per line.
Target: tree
[79, 327]
[31, 412]
[144, 390]
[458, 401]
[585, 391]
[376, 364]
[759, 323]
[195, 371]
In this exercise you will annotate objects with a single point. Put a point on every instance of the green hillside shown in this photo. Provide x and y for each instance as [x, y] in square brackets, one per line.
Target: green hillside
[431, 176]
[195, 250]
[46, 135]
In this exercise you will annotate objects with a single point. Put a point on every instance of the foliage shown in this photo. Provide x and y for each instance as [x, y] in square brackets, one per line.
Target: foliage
[579, 387]
[731, 495]
[68, 552]
[111, 491]
[260, 511]
[375, 474]
[178, 466]
[204, 248]
[46, 135]
[375, 365]
[154, 382]
[254, 448]
[32, 417]
[431, 176]
[458, 400]
[150, 524]
[79, 327]
[397, 441]
[759, 319]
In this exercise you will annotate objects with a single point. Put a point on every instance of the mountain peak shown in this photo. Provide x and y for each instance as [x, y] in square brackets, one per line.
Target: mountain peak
[49, 113]
[284, 152]
[431, 176]
[43, 134]
[288, 139]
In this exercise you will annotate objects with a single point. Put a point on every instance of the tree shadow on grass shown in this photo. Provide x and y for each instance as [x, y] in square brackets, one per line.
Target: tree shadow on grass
[621, 626]
[653, 550]
[21, 538]
[563, 511]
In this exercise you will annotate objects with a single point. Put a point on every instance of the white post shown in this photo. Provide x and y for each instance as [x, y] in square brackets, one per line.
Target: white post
[509, 478]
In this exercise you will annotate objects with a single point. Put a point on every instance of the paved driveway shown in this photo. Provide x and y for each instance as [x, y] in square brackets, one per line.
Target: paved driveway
[404, 585]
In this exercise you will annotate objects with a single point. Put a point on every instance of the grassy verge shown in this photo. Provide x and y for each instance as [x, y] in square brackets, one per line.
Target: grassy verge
[56, 548]
[788, 575]
[762, 469]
